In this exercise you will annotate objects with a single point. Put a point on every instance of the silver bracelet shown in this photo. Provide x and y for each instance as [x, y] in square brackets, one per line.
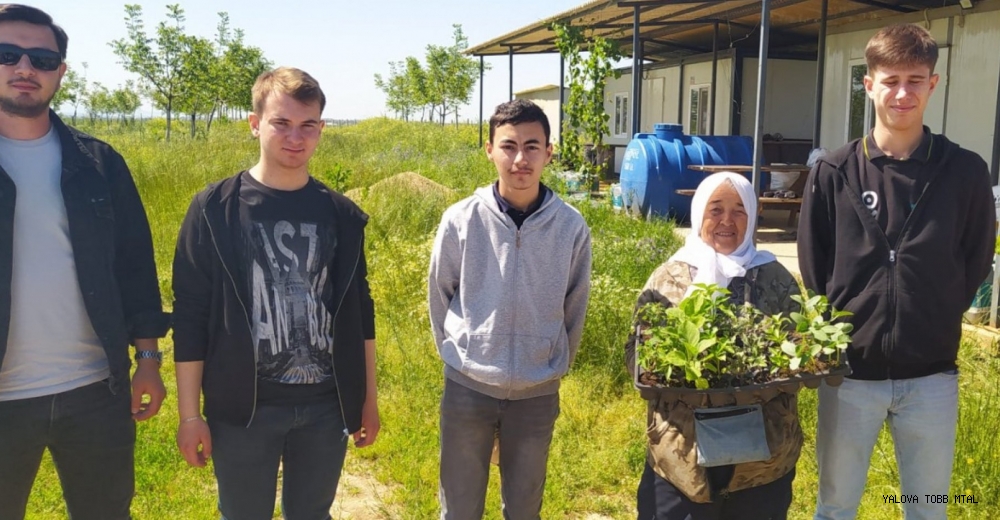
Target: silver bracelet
[194, 418]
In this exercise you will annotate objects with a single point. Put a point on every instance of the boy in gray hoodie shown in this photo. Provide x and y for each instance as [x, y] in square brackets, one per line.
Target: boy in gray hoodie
[508, 287]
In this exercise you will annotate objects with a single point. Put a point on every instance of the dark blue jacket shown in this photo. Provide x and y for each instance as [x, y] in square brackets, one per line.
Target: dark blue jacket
[112, 248]
[211, 313]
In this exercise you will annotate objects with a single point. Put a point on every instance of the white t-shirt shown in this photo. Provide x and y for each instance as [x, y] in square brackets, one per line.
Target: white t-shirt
[51, 346]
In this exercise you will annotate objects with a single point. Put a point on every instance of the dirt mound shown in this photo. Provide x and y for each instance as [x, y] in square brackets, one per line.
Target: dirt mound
[410, 182]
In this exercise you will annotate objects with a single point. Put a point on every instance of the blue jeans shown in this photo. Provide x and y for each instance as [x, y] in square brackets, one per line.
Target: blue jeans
[91, 435]
[469, 422]
[308, 441]
[922, 414]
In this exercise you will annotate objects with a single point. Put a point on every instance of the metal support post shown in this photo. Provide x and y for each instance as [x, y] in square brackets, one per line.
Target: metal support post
[510, 85]
[482, 67]
[715, 76]
[636, 73]
[758, 135]
[820, 72]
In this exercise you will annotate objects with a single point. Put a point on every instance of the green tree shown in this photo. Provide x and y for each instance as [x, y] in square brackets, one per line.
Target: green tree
[438, 87]
[70, 90]
[125, 101]
[394, 87]
[98, 103]
[199, 92]
[586, 120]
[159, 62]
[240, 66]
[234, 70]
[462, 73]
[416, 84]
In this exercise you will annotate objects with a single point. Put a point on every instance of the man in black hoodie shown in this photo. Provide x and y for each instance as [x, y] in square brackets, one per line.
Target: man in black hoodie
[896, 227]
[274, 322]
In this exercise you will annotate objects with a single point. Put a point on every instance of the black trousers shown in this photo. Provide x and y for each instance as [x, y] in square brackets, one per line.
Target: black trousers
[658, 499]
[90, 434]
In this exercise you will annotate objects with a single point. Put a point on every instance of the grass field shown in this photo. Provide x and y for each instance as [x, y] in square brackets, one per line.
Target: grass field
[598, 449]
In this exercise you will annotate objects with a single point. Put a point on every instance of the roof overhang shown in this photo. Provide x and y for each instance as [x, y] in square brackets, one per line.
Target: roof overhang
[673, 29]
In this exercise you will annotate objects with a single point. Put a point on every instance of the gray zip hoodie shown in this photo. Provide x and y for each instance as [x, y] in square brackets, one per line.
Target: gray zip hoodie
[507, 305]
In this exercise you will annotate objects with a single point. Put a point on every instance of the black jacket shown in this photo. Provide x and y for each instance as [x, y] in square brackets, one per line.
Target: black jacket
[907, 298]
[112, 248]
[211, 316]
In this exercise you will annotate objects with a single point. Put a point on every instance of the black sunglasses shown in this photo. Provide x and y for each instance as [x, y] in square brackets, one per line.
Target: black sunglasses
[41, 59]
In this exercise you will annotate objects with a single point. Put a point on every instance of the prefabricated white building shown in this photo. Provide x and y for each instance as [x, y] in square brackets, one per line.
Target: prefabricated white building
[790, 90]
[546, 97]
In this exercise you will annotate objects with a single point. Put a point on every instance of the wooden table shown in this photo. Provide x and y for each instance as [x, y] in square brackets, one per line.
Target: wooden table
[792, 205]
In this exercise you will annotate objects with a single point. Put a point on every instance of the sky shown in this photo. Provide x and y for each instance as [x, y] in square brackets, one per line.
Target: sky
[341, 43]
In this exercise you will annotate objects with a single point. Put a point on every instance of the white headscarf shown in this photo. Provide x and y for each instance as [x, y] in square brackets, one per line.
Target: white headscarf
[717, 268]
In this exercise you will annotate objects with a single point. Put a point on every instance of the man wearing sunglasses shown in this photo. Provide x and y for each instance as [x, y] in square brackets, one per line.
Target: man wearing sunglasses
[77, 284]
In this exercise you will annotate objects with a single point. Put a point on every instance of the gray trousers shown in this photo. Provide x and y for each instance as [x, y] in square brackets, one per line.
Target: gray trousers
[469, 422]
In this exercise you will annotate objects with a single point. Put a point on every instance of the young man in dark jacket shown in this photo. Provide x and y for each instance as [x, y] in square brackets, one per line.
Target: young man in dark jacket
[77, 284]
[274, 322]
[897, 227]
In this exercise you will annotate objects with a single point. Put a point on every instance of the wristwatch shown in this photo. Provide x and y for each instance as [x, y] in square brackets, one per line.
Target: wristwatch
[149, 354]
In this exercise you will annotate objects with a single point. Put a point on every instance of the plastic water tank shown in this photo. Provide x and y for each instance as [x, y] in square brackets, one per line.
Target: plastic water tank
[656, 166]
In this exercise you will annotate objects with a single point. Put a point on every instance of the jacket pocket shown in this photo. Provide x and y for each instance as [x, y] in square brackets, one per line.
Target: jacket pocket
[485, 358]
[509, 360]
[870, 312]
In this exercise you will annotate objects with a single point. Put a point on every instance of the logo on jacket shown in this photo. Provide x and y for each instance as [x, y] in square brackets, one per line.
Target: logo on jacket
[870, 199]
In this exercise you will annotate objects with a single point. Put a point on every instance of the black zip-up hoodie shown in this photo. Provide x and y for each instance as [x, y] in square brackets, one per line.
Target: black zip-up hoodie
[907, 298]
[211, 317]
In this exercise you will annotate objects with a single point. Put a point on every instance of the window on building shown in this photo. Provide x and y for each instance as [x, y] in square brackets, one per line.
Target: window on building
[698, 123]
[621, 115]
[860, 110]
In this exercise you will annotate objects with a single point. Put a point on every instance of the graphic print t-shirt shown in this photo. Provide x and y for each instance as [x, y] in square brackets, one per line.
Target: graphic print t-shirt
[289, 239]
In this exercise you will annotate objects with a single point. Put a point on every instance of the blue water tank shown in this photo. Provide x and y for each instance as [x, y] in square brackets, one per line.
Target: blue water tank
[656, 166]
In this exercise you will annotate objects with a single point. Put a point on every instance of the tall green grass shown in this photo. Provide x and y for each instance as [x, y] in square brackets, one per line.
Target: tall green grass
[598, 449]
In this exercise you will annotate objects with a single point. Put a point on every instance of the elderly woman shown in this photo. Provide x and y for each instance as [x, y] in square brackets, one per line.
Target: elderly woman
[719, 251]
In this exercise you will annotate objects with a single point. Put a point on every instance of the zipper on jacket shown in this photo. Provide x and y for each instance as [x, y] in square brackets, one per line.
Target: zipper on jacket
[889, 340]
[333, 365]
[513, 314]
[246, 314]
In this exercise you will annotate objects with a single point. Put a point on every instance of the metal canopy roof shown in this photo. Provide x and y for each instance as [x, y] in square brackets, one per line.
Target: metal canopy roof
[672, 29]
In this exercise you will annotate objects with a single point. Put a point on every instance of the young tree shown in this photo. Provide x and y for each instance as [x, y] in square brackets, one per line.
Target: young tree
[462, 73]
[394, 89]
[441, 86]
[240, 66]
[159, 61]
[199, 90]
[586, 119]
[234, 70]
[416, 84]
[70, 90]
[83, 91]
[98, 103]
[126, 101]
